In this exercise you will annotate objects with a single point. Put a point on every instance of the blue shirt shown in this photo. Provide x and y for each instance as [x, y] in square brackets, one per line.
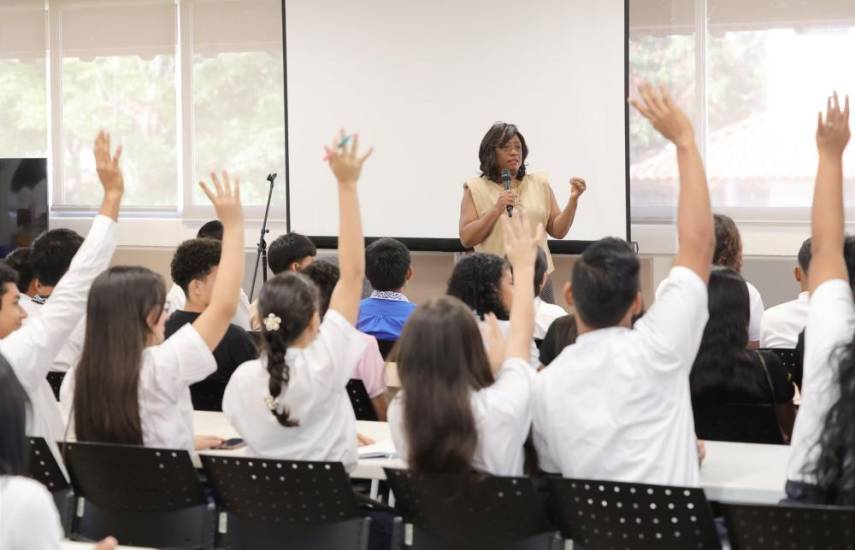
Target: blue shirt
[383, 319]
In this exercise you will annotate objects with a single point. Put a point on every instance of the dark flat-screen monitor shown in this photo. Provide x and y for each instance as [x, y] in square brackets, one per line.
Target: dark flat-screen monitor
[23, 201]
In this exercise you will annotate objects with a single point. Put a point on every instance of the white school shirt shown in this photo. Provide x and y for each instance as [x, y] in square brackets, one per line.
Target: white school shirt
[32, 308]
[831, 323]
[782, 323]
[176, 300]
[28, 516]
[505, 327]
[502, 414]
[316, 397]
[544, 314]
[31, 349]
[70, 353]
[616, 404]
[756, 308]
[167, 371]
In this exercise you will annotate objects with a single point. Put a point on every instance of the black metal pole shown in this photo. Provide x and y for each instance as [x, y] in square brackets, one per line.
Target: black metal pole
[261, 249]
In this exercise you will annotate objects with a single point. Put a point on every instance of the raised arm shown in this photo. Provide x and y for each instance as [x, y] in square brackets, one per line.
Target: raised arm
[32, 349]
[346, 164]
[827, 237]
[521, 250]
[695, 235]
[214, 321]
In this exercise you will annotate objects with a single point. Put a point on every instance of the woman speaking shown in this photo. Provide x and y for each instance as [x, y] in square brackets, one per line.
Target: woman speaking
[485, 198]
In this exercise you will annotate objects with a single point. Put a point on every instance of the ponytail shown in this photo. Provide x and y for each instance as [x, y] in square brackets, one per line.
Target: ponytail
[280, 374]
[287, 305]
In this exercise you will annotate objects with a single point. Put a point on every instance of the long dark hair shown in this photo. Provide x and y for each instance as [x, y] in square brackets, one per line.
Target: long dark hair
[499, 135]
[441, 361]
[724, 359]
[834, 469]
[293, 298]
[106, 387]
[728, 243]
[476, 281]
[14, 453]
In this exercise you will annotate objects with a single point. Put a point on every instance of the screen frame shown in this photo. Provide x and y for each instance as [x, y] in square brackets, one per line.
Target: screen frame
[556, 246]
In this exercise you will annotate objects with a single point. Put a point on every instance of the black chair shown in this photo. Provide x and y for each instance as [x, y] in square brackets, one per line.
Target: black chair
[791, 360]
[472, 511]
[604, 515]
[142, 496]
[273, 504]
[756, 527]
[743, 423]
[360, 400]
[386, 347]
[45, 469]
[55, 380]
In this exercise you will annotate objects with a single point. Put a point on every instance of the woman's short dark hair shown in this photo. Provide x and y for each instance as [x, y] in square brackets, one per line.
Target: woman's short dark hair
[476, 281]
[728, 243]
[499, 135]
[605, 282]
[14, 450]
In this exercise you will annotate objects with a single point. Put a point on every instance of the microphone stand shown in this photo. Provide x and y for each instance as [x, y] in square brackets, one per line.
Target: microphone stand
[261, 248]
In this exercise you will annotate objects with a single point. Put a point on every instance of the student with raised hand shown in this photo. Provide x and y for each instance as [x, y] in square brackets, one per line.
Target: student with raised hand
[460, 410]
[131, 385]
[822, 456]
[31, 349]
[616, 405]
[291, 403]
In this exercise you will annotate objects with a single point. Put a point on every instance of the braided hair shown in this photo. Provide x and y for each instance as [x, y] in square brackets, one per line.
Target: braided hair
[287, 305]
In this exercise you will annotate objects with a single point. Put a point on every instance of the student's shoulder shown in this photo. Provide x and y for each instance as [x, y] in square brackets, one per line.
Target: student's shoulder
[25, 492]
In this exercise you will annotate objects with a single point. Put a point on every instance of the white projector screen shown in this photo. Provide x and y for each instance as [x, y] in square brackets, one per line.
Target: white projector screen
[423, 81]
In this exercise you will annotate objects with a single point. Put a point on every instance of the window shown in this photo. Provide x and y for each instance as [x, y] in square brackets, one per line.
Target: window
[753, 79]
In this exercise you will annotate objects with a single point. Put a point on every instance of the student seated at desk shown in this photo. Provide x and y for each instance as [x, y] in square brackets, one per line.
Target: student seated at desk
[616, 404]
[725, 370]
[822, 460]
[384, 313]
[460, 410]
[291, 403]
[485, 284]
[131, 385]
[782, 323]
[176, 299]
[371, 368]
[28, 515]
[194, 268]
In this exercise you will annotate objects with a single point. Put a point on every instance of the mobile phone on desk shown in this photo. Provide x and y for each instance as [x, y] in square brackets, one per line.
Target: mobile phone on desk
[233, 443]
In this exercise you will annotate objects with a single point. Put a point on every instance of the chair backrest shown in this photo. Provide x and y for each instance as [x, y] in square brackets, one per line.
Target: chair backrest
[612, 515]
[471, 511]
[55, 380]
[790, 360]
[789, 527]
[308, 504]
[743, 423]
[361, 402]
[128, 478]
[44, 468]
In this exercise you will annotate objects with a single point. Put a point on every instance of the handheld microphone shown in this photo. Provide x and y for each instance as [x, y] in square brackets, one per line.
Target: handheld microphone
[506, 181]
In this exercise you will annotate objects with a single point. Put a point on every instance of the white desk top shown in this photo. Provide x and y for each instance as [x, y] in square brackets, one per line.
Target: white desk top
[734, 472]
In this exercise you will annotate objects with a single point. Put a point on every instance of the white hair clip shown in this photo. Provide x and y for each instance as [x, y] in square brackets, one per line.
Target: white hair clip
[272, 322]
[271, 402]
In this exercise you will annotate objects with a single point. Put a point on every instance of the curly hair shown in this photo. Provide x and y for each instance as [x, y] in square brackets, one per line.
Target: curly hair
[499, 135]
[728, 243]
[194, 259]
[476, 281]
